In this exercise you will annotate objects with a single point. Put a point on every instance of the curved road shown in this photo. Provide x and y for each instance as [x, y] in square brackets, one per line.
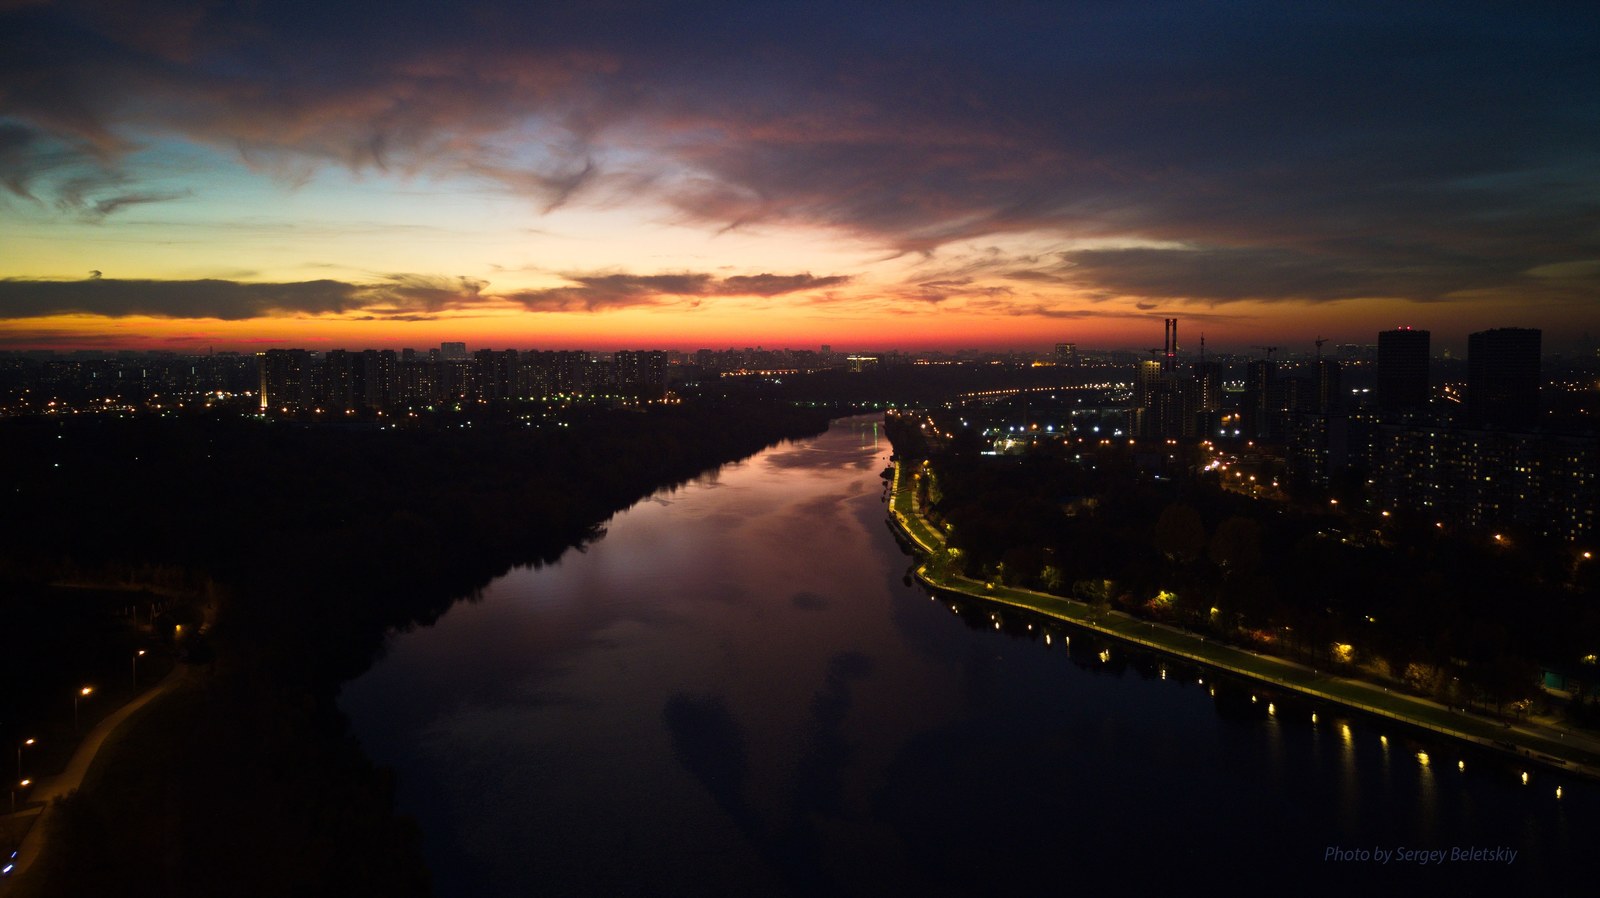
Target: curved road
[69, 779]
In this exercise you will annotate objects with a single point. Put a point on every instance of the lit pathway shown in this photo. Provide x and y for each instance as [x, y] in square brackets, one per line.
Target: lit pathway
[1572, 752]
[69, 779]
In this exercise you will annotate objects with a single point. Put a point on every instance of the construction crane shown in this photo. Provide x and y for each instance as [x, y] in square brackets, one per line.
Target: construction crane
[1319, 342]
[1269, 350]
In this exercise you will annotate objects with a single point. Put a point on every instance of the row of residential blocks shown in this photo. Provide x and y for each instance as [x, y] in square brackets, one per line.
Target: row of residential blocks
[1542, 484]
[338, 380]
[1501, 390]
[1486, 460]
[1539, 483]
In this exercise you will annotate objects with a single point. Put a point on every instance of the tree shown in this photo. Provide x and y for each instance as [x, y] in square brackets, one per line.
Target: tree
[1236, 547]
[1051, 577]
[1180, 535]
[1096, 592]
[1017, 563]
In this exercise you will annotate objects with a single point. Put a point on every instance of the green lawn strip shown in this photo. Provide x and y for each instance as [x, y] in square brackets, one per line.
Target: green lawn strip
[914, 525]
[1362, 696]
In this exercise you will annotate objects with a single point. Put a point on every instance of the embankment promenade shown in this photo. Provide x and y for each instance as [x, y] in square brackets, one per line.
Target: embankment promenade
[1544, 745]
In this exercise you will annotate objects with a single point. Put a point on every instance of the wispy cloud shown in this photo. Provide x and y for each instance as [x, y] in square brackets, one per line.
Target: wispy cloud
[598, 292]
[401, 294]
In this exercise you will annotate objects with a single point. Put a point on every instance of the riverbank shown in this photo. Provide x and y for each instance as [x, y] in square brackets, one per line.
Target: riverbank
[323, 540]
[1542, 745]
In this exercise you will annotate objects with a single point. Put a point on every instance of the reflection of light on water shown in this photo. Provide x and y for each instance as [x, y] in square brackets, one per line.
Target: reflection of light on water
[1350, 793]
[1426, 795]
[1047, 639]
[1558, 791]
[1272, 708]
[870, 438]
[1313, 717]
[1105, 655]
[1461, 766]
[1524, 777]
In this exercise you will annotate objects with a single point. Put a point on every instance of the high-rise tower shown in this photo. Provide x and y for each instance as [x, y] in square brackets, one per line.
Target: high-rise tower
[1503, 378]
[1402, 370]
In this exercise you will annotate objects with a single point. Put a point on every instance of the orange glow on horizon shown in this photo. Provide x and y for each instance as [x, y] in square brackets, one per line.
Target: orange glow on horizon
[848, 324]
[599, 331]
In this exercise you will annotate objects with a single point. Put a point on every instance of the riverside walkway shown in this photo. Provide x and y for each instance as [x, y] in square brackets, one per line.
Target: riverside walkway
[1546, 745]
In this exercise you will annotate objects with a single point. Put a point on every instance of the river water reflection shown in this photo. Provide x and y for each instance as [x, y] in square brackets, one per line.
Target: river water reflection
[736, 691]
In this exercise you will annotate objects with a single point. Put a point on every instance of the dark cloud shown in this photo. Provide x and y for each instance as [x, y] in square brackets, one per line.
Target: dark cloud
[424, 293]
[78, 180]
[46, 338]
[1278, 136]
[103, 207]
[29, 156]
[1229, 274]
[775, 284]
[1140, 312]
[396, 297]
[613, 291]
[230, 300]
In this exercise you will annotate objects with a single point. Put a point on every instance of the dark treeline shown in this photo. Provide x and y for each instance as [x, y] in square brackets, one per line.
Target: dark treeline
[313, 542]
[1458, 619]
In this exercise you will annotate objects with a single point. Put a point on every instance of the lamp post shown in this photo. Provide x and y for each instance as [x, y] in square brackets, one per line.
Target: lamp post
[136, 656]
[22, 784]
[80, 694]
[20, 746]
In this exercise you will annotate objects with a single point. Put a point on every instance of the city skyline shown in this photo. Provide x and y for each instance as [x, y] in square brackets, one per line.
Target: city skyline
[708, 175]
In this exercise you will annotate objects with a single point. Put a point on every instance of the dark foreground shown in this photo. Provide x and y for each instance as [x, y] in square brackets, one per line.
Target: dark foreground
[304, 546]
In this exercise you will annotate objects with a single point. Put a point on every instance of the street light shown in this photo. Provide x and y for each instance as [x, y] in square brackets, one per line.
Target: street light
[23, 784]
[136, 656]
[85, 692]
[20, 746]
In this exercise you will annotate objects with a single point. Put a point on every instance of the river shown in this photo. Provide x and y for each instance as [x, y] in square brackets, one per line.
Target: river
[737, 690]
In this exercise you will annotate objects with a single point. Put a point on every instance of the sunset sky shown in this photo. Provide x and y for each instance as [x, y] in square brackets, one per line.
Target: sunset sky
[870, 175]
